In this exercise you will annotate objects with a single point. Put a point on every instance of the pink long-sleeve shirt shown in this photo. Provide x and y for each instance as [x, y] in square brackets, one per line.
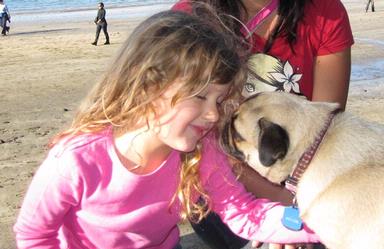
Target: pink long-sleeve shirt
[83, 197]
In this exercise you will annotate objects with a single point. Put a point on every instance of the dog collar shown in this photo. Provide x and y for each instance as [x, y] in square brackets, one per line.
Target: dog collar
[307, 156]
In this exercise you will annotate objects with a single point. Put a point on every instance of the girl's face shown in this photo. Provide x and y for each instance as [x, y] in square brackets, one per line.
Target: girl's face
[183, 125]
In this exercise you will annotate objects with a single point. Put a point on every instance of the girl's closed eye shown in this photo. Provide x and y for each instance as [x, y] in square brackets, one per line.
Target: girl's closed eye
[218, 102]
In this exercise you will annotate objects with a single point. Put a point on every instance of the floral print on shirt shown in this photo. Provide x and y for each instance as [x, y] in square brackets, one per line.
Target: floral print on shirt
[267, 73]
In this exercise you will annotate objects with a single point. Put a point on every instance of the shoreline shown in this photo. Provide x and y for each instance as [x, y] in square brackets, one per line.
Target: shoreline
[85, 14]
[44, 8]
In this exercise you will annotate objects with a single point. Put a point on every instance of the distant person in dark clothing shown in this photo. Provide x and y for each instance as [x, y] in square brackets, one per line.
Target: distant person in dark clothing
[101, 23]
[4, 18]
[372, 3]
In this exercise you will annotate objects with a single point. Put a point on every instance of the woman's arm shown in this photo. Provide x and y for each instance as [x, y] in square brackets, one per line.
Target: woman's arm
[331, 77]
[261, 187]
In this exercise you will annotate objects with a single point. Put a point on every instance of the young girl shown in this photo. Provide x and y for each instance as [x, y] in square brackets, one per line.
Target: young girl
[141, 150]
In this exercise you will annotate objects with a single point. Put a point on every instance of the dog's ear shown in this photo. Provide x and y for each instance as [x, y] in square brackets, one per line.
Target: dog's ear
[227, 141]
[273, 142]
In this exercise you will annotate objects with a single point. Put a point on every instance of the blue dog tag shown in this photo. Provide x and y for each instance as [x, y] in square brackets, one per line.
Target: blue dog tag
[291, 219]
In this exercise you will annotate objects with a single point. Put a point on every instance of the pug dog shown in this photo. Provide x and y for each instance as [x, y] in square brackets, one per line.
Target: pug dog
[340, 190]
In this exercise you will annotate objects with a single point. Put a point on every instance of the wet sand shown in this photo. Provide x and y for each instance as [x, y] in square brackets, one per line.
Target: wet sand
[48, 67]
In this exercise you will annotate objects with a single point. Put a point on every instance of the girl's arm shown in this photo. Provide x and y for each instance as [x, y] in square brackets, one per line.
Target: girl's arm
[50, 195]
[247, 216]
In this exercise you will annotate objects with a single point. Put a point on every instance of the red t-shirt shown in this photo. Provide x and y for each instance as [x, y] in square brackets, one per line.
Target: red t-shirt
[325, 29]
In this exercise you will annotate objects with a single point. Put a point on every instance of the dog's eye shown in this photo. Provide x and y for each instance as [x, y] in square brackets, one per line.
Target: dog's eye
[249, 87]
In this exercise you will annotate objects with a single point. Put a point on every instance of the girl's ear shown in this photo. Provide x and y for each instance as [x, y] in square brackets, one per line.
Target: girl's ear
[273, 142]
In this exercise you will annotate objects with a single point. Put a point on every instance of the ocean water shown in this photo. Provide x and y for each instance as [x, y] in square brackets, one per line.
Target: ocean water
[22, 6]
[364, 72]
[59, 11]
[36, 6]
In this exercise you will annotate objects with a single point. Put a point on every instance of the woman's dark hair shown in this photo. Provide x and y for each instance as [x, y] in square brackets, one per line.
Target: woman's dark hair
[290, 13]
[101, 4]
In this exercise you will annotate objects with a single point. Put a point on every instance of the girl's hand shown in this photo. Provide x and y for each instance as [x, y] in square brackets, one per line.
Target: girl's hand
[257, 244]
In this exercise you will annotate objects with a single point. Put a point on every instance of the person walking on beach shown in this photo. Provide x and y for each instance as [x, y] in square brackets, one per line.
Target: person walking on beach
[143, 147]
[372, 3]
[101, 23]
[4, 18]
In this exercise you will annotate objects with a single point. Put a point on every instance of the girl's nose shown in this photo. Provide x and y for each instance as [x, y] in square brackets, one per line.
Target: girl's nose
[212, 114]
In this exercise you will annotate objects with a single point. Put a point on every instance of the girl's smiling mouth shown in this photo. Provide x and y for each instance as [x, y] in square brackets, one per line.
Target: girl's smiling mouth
[200, 130]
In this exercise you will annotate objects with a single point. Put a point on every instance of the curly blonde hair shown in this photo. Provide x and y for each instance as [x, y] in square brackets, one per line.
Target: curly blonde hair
[165, 47]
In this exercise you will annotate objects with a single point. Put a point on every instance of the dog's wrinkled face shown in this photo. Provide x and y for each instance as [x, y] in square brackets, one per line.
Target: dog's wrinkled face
[265, 134]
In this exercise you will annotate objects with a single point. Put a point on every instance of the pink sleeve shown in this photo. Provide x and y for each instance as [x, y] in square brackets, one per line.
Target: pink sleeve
[336, 33]
[50, 195]
[248, 217]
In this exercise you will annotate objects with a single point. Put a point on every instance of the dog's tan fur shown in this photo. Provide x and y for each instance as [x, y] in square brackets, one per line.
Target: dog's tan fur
[341, 194]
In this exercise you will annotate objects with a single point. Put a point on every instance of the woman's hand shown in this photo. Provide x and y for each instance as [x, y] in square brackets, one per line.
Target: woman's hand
[261, 187]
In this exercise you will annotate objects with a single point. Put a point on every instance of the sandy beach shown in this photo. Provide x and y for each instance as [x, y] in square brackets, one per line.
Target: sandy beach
[49, 65]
